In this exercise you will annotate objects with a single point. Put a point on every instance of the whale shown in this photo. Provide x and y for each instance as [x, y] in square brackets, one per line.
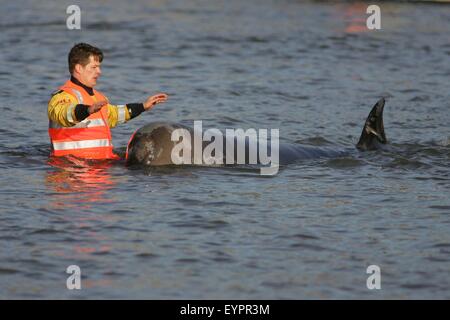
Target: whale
[153, 143]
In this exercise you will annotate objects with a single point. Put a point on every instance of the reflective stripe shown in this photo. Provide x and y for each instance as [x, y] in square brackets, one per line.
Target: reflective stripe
[90, 123]
[121, 111]
[78, 94]
[70, 145]
[69, 113]
[86, 123]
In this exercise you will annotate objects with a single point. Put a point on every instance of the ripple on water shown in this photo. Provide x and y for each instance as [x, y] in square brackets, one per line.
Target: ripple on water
[420, 98]
[187, 260]
[221, 257]
[301, 236]
[445, 209]
[315, 141]
[444, 245]
[418, 286]
[8, 271]
[201, 224]
[147, 255]
[308, 246]
[45, 231]
[407, 164]
[344, 163]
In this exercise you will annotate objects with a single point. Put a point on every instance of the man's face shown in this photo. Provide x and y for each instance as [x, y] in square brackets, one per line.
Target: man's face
[90, 72]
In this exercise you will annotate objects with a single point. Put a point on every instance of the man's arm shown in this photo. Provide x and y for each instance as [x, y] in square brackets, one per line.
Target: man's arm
[64, 110]
[61, 109]
[118, 114]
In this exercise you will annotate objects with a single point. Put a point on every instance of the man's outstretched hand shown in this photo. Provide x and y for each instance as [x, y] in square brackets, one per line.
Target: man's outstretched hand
[97, 106]
[153, 100]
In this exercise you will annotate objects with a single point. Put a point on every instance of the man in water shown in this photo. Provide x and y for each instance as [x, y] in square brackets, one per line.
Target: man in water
[80, 117]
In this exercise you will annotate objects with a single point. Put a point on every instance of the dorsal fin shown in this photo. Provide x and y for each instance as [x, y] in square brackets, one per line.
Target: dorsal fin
[373, 132]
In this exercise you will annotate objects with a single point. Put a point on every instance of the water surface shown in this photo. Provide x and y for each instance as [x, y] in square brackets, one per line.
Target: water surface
[311, 70]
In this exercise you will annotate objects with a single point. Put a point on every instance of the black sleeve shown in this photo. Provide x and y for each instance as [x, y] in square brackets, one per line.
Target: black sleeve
[81, 112]
[135, 109]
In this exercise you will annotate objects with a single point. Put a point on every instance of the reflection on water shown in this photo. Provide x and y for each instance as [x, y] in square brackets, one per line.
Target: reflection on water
[82, 185]
[78, 183]
[355, 17]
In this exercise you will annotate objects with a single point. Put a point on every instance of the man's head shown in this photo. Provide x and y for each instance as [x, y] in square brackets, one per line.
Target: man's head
[84, 63]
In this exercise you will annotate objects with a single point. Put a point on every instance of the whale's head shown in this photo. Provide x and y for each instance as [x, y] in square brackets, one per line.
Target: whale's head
[151, 145]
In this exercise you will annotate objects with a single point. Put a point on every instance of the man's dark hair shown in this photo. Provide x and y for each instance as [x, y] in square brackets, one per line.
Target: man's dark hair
[80, 54]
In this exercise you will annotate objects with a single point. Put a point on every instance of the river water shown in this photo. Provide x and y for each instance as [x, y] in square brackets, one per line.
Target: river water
[310, 69]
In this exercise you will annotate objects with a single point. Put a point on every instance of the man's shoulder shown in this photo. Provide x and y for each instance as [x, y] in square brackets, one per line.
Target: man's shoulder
[60, 96]
[54, 93]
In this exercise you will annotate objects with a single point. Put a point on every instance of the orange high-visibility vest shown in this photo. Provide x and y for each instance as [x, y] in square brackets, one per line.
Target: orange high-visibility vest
[88, 139]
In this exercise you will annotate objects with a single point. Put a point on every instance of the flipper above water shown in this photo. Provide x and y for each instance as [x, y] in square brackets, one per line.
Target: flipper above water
[373, 136]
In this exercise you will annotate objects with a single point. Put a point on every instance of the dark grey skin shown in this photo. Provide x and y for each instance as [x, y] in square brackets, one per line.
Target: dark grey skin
[151, 145]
